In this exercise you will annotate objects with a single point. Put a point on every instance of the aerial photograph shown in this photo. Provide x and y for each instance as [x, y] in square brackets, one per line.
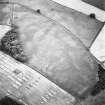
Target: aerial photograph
[52, 52]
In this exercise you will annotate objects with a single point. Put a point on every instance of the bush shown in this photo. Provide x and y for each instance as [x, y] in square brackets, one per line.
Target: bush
[11, 45]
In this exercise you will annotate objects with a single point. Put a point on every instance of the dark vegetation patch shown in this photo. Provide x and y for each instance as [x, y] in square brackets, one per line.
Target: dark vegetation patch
[9, 101]
[99, 99]
[100, 85]
[97, 96]
[11, 45]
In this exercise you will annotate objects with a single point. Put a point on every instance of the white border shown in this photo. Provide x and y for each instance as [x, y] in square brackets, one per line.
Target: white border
[83, 7]
[98, 47]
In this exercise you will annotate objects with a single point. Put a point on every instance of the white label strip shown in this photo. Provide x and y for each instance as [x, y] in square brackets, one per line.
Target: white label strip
[98, 47]
[83, 7]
